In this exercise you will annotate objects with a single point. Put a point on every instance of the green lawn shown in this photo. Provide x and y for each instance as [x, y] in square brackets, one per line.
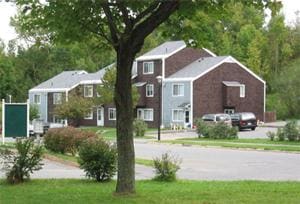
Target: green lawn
[73, 159]
[263, 144]
[86, 191]
[110, 133]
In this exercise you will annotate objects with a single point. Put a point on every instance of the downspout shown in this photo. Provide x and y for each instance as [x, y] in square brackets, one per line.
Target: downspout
[192, 103]
[67, 99]
[162, 93]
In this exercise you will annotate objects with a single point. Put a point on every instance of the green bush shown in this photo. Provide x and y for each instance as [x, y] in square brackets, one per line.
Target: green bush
[19, 165]
[271, 135]
[216, 131]
[203, 129]
[139, 127]
[291, 131]
[98, 159]
[166, 167]
[66, 140]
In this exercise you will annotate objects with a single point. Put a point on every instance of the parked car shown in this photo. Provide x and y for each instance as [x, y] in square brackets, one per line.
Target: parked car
[216, 118]
[244, 120]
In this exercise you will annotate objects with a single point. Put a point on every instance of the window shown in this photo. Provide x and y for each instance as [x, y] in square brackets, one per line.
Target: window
[37, 98]
[145, 114]
[112, 114]
[148, 68]
[56, 119]
[89, 115]
[57, 98]
[88, 91]
[242, 91]
[178, 89]
[229, 111]
[149, 90]
[178, 115]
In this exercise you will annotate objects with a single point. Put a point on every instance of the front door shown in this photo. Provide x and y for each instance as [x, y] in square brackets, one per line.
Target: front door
[187, 118]
[100, 118]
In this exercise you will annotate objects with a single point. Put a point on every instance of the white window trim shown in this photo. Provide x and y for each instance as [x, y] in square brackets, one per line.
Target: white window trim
[84, 92]
[112, 109]
[173, 115]
[143, 113]
[242, 93]
[150, 85]
[178, 84]
[91, 116]
[54, 119]
[148, 62]
[226, 110]
[39, 98]
[54, 101]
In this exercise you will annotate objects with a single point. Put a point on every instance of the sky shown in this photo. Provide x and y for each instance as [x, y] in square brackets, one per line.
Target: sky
[7, 10]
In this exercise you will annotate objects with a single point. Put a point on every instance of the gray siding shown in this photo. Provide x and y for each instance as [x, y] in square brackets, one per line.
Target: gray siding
[171, 102]
[43, 106]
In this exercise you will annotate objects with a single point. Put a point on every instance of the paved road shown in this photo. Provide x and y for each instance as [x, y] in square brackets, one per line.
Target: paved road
[55, 170]
[200, 163]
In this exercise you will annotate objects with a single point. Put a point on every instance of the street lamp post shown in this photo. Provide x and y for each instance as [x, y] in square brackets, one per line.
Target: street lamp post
[159, 80]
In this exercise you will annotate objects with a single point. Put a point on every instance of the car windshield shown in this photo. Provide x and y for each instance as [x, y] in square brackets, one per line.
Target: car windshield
[222, 118]
[235, 117]
[248, 116]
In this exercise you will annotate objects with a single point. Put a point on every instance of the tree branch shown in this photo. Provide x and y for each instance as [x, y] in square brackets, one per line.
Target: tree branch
[124, 11]
[158, 16]
[112, 26]
[146, 12]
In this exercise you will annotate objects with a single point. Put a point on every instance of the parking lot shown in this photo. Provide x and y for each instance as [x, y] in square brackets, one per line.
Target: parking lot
[258, 133]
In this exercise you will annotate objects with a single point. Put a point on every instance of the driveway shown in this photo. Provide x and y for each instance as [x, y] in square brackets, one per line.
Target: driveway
[200, 163]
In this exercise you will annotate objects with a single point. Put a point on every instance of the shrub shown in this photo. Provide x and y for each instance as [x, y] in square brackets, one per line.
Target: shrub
[280, 134]
[271, 135]
[166, 167]
[20, 165]
[203, 129]
[98, 159]
[139, 127]
[291, 131]
[66, 140]
[216, 131]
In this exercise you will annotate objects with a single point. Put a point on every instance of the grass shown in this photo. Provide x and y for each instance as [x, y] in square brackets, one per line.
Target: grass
[263, 144]
[73, 159]
[87, 191]
[110, 133]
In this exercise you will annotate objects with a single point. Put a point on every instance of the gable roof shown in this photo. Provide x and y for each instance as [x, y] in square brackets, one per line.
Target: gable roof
[164, 50]
[204, 65]
[197, 67]
[68, 80]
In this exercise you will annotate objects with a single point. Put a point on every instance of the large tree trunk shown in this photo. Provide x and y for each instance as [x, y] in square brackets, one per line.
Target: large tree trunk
[123, 101]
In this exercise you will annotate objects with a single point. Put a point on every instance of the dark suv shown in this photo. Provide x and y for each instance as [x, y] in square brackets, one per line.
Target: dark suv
[244, 120]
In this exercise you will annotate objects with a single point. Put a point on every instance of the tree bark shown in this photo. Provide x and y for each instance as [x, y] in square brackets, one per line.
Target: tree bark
[123, 101]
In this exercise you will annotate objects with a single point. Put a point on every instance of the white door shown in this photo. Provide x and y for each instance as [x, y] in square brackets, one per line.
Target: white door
[100, 116]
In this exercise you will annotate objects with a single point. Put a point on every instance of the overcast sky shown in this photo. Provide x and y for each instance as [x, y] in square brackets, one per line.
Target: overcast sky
[7, 10]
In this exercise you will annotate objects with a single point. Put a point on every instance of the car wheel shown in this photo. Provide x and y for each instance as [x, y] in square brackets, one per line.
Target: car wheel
[253, 128]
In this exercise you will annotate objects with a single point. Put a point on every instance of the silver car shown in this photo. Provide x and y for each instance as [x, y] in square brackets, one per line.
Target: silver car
[216, 118]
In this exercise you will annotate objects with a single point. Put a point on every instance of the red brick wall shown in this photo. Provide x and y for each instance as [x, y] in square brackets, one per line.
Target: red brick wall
[208, 91]
[182, 58]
